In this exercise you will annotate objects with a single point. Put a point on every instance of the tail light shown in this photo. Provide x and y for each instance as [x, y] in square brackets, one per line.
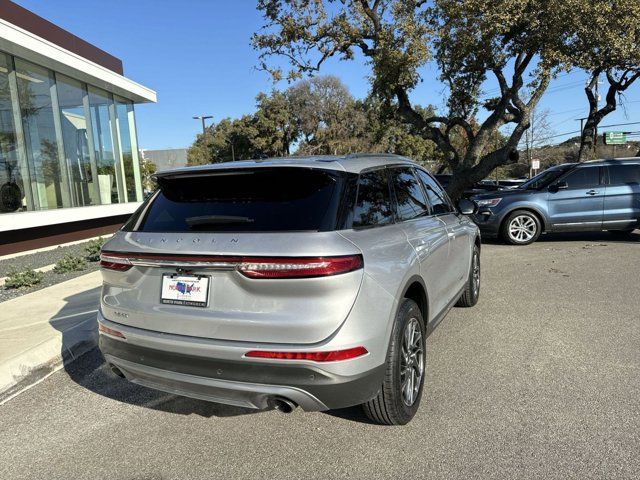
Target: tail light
[331, 356]
[115, 262]
[298, 267]
[251, 267]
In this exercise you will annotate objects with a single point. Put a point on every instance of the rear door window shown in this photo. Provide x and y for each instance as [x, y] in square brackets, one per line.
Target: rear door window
[244, 200]
[438, 199]
[624, 174]
[410, 198]
[585, 177]
[373, 204]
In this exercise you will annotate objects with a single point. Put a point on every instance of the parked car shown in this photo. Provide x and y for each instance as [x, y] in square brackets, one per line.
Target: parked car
[477, 189]
[511, 183]
[574, 197]
[311, 282]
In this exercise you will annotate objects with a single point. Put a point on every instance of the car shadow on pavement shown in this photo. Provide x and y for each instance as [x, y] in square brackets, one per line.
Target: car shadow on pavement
[90, 371]
[354, 414]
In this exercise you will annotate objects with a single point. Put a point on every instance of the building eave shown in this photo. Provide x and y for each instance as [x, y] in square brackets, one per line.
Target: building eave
[24, 44]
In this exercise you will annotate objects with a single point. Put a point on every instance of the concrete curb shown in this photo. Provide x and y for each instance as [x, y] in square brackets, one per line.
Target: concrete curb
[31, 366]
[46, 329]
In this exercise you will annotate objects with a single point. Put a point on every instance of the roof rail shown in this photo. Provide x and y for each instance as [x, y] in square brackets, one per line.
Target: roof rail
[368, 155]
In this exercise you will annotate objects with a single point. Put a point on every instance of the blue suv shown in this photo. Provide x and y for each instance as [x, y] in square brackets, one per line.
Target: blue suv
[574, 197]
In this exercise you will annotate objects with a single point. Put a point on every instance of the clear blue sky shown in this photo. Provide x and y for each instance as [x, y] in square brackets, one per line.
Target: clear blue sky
[197, 55]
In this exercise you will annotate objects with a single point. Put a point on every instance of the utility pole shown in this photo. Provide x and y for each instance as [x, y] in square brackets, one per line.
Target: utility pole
[581, 120]
[595, 128]
[203, 118]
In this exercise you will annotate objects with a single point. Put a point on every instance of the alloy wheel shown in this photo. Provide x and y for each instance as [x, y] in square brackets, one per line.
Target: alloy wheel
[475, 275]
[522, 228]
[412, 362]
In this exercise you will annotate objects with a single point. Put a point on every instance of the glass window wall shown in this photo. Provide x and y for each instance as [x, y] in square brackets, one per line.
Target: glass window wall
[45, 167]
[63, 143]
[100, 104]
[13, 194]
[74, 126]
[128, 148]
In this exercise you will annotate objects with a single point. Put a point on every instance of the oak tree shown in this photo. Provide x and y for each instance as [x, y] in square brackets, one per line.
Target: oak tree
[520, 44]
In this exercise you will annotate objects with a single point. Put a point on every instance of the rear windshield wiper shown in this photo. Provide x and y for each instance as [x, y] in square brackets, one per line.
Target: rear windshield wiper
[217, 220]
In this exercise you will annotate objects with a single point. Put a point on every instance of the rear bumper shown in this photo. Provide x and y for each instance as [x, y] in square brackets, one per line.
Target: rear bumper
[241, 383]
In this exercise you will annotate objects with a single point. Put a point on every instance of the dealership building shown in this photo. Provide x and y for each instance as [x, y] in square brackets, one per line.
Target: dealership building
[69, 156]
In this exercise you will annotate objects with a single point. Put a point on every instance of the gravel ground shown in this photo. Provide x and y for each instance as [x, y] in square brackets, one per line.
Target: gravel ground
[42, 259]
[541, 380]
[49, 278]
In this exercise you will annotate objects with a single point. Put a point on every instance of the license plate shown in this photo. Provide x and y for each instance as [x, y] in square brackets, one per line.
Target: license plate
[185, 290]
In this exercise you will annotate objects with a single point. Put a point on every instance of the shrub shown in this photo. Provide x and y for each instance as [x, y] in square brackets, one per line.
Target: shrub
[93, 249]
[28, 278]
[70, 263]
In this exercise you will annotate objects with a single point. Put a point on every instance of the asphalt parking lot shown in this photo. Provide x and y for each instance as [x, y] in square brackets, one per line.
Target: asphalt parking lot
[540, 380]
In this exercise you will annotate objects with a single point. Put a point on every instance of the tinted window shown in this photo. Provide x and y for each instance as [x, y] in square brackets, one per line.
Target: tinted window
[620, 174]
[546, 178]
[410, 199]
[246, 200]
[583, 177]
[438, 199]
[373, 206]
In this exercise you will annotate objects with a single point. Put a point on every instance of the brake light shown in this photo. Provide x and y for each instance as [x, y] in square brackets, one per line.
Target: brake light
[112, 262]
[292, 267]
[110, 331]
[331, 356]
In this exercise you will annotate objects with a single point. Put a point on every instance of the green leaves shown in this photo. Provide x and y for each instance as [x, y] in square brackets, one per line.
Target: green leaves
[27, 278]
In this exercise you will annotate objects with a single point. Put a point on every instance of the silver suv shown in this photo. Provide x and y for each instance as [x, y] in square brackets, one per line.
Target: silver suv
[308, 282]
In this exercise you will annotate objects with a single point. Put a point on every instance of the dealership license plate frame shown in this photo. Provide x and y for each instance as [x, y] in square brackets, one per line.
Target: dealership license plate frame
[183, 302]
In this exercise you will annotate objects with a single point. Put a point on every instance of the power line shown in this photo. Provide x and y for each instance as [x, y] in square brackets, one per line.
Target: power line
[600, 126]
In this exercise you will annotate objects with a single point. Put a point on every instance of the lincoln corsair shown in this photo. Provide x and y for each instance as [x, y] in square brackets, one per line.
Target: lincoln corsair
[279, 283]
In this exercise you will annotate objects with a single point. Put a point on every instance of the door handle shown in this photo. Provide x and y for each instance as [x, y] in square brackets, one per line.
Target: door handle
[592, 192]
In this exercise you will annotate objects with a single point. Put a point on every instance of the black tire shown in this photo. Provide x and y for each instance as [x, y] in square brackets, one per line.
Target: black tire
[389, 406]
[525, 236]
[471, 291]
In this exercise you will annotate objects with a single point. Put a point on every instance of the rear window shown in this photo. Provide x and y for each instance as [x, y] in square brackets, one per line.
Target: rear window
[624, 174]
[244, 200]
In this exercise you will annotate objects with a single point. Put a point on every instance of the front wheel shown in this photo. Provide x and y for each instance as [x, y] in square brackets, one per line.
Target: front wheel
[471, 291]
[401, 389]
[521, 228]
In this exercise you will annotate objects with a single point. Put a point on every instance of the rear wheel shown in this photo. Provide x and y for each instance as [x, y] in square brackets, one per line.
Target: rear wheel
[471, 291]
[401, 389]
[521, 228]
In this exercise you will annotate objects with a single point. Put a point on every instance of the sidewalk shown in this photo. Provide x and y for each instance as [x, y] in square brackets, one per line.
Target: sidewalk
[41, 330]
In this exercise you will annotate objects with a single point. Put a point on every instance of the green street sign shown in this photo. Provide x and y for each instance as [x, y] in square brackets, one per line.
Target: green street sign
[615, 138]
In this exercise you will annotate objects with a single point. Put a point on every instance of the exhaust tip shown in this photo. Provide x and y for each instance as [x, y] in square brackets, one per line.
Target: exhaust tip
[284, 405]
[116, 371]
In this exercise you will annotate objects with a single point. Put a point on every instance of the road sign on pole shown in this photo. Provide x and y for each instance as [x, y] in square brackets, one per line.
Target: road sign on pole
[614, 138]
[535, 164]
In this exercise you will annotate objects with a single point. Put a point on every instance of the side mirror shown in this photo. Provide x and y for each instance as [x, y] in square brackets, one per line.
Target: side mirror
[558, 186]
[467, 207]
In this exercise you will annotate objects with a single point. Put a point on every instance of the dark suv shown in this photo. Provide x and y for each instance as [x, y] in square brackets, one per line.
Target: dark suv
[589, 196]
